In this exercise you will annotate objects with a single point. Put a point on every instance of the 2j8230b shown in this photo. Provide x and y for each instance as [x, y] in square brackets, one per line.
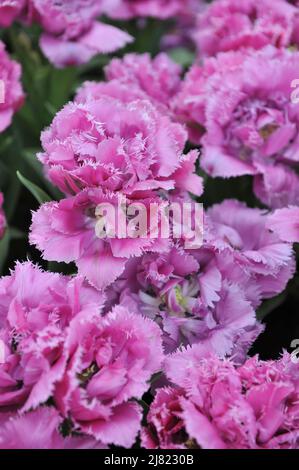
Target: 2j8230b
[170, 459]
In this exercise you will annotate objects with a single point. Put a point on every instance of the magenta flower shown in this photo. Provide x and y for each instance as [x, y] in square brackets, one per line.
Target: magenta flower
[119, 147]
[228, 25]
[11, 92]
[9, 11]
[285, 223]
[39, 429]
[109, 362]
[72, 36]
[248, 120]
[254, 406]
[32, 328]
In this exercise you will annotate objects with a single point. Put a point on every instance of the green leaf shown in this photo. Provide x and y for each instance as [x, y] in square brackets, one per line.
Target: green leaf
[40, 195]
[144, 405]
[182, 56]
[30, 157]
[5, 143]
[155, 377]
[16, 234]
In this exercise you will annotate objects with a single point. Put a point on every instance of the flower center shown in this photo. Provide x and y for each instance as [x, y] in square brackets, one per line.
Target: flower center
[86, 375]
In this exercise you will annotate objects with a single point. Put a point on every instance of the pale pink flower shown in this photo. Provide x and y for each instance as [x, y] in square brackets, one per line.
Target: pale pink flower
[198, 88]
[190, 299]
[137, 76]
[221, 406]
[35, 309]
[72, 36]
[246, 120]
[9, 11]
[39, 429]
[109, 364]
[277, 186]
[11, 92]
[67, 231]
[91, 91]
[228, 25]
[162, 9]
[285, 223]
[208, 295]
[242, 240]
[158, 78]
[128, 147]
